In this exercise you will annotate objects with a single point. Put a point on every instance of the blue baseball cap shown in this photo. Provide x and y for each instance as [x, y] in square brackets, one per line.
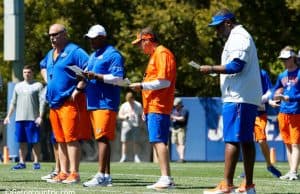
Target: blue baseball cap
[220, 17]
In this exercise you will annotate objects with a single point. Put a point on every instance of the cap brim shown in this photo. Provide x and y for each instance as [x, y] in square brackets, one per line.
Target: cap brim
[136, 41]
[215, 23]
[281, 57]
[90, 35]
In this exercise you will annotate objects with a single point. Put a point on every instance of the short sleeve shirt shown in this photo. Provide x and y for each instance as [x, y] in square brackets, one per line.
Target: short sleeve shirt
[245, 86]
[61, 81]
[102, 95]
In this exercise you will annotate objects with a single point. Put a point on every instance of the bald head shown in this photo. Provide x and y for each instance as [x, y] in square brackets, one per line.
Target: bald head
[57, 27]
[58, 36]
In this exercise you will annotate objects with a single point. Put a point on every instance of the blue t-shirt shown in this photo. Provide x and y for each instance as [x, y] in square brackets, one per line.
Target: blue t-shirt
[265, 81]
[289, 81]
[182, 112]
[266, 86]
[61, 80]
[101, 95]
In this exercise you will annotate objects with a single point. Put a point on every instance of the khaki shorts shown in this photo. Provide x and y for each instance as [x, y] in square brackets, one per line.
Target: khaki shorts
[130, 134]
[178, 136]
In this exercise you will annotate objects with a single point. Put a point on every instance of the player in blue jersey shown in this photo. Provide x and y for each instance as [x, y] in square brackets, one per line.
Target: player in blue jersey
[289, 113]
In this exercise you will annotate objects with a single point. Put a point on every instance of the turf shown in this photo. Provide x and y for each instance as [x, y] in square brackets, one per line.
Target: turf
[132, 178]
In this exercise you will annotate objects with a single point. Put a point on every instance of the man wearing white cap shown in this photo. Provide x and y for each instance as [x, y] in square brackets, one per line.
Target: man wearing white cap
[241, 93]
[288, 99]
[105, 69]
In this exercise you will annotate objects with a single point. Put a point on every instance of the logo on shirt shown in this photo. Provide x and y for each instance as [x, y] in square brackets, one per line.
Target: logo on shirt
[100, 57]
[98, 130]
[64, 54]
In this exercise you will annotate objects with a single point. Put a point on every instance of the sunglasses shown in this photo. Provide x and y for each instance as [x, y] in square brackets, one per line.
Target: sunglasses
[55, 34]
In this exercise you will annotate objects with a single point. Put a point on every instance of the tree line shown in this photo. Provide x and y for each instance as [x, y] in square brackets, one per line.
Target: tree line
[181, 25]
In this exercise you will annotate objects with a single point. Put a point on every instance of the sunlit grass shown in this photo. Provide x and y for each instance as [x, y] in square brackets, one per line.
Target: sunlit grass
[133, 178]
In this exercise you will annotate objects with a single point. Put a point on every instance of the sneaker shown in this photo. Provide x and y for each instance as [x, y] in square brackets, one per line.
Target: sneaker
[108, 181]
[58, 178]
[244, 189]
[290, 176]
[72, 178]
[19, 166]
[36, 166]
[162, 183]
[276, 173]
[123, 159]
[221, 188]
[49, 176]
[181, 161]
[97, 180]
[137, 159]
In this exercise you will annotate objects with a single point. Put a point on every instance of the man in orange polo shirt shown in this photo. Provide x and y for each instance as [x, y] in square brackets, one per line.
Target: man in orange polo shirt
[157, 89]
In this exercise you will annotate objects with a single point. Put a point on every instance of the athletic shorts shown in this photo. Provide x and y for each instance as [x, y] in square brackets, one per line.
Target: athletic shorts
[260, 127]
[68, 124]
[238, 122]
[289, 127]
[178, 136]
[130, 134]
[104, 123]
[27, 132]
[158, 126]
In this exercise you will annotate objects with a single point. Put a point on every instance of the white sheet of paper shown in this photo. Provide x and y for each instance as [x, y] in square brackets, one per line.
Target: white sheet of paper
[194, 64]
[197, 66]
[76, 70]
[124, 83]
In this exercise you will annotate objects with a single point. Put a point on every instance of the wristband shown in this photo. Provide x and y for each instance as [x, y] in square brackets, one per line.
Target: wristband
[79, 89]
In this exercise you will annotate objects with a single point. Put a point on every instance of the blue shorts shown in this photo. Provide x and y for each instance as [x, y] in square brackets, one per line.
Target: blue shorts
[27, 132]
[238, 122]
[158, 126]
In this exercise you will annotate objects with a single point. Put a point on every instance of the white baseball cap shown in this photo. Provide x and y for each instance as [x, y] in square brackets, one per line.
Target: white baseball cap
[284, 54]
[96, 30]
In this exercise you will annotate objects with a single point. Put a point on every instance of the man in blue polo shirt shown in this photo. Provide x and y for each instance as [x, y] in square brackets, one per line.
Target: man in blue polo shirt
[66, 102]
[105, 71]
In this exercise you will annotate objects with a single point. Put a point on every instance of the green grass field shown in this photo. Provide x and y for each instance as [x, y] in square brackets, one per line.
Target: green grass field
[132, 178]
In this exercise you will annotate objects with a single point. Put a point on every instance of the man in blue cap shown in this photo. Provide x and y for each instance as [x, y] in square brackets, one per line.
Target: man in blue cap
[241, 93]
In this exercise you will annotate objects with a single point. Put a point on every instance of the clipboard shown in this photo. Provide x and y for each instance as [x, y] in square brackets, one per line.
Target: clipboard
[197, 66]
[77, 70]
[124, 82]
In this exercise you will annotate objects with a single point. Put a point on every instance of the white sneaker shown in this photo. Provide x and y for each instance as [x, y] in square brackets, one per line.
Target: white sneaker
[137, 159]
[123, 159]
[97, 180]
[290, 176]
[49, 176]
[162, 183]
